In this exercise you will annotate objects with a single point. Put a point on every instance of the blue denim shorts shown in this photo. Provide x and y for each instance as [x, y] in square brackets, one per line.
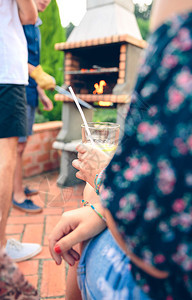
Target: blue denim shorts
[30, 121]
[104, 272]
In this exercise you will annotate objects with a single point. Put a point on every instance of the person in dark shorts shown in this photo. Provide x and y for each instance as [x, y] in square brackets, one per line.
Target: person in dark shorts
[21, 195]
[13, 78]
[13, 112]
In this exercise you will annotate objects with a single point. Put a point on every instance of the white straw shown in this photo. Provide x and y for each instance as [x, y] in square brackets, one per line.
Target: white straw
[82, 115]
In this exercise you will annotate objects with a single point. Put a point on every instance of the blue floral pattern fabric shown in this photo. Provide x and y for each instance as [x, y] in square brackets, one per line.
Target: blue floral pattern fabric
[148, 184]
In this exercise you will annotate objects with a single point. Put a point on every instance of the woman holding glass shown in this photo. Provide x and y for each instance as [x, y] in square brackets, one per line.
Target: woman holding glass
[146, 190]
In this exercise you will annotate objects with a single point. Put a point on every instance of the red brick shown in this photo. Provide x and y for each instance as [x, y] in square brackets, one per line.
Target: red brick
[68, 62]
[68, 68]
[46, 242]
[33, 280]
[101, 41]
[75, 64]
[123, 48]
[35, 219]
[12, 229]
[17, 237]
[55, 155]
[44, 136]
[29, 267]
[43, 157]
[68, 55]
[51, 221]
[33, 147]
[47, 146]
[89, 43]
[122, 57]
[17, 212]
[113, 98]
[122, 65]
[67, 77]
[122, 98]
[122, 74]
[108, 40]
[115, 38]
[35, 138]
[54, 133]
[27, 160]
[53, 285]
[120, 81]
[124, 38]
[48, 166]
[44, 254]
[33, 233]
[50, 211]
[72, 205]
[36, 169]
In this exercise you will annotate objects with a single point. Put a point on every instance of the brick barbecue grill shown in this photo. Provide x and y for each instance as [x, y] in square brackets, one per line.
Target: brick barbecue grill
[105, 47]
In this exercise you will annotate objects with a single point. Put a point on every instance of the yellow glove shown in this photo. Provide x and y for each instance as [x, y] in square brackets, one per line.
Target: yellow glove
[44, 80]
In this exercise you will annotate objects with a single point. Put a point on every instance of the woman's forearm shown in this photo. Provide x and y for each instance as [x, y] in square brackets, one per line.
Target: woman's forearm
[162, 10]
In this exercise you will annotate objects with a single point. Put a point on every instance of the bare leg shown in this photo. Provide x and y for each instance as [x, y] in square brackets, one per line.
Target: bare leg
[7, 168]
[19, 194]
[72, 290]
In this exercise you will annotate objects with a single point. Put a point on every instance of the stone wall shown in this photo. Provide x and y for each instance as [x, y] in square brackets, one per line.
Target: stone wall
[39, 156]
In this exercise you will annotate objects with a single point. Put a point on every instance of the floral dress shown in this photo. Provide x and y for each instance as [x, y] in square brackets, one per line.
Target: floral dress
[13, 284]
[148, 184]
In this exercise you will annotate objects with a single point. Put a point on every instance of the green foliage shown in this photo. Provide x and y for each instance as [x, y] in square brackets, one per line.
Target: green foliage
[142, 13]
[144, 27]
[52, 32]
[39, 118]
[105, 115]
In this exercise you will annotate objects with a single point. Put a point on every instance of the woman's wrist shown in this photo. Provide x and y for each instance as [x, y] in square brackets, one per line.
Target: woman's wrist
[98, 181]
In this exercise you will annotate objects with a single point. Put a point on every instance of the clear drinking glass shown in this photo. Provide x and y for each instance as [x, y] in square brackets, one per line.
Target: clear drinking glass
[104, 134]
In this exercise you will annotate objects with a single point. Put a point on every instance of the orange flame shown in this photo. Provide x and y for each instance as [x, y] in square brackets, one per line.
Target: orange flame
[104, 103]
[99, 87]
[99, 90]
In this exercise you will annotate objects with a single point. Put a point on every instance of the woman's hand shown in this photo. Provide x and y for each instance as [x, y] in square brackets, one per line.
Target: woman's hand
[74, 227]
[91, 161]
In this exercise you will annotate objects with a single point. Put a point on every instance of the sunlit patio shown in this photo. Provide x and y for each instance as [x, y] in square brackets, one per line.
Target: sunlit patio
[41, 271]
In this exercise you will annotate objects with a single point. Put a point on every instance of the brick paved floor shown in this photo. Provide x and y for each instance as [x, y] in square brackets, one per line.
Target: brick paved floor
[41, 271]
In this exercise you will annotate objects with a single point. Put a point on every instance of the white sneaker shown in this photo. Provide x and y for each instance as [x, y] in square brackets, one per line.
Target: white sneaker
[21, 251]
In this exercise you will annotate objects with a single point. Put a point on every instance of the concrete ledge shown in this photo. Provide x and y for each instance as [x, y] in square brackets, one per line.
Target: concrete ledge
[71, 146]
[47, 126]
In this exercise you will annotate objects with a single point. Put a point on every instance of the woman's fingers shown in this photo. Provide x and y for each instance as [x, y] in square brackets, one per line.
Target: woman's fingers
[76, 164]
[82, 148]
[71, 256]
[74, 254]
[81, 176]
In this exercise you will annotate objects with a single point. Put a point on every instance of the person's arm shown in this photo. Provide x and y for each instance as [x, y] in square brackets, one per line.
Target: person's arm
[44, 82]
[162, 10]
[47, 103]
[31, 68]
[91, 161]
[74, 227]
[43, 79]
[27, 11]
